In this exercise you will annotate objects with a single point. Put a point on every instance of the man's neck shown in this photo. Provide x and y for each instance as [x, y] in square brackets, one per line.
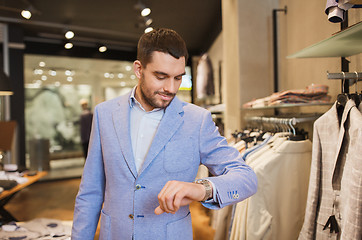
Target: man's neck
[139, 98]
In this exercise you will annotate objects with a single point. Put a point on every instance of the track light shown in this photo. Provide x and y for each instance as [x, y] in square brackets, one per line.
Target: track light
[148, 21]
[149, 29]
[29, 11]
[102, 48]
[145, 12]
[69, 34]
[68, 45]
[26, 14]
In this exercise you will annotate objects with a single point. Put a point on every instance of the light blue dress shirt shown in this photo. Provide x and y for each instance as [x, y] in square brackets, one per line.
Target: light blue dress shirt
[143, 128]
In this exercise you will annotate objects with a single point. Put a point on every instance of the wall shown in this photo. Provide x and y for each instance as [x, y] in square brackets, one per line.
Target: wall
[247, 45]
[306, 24]
[248, 56]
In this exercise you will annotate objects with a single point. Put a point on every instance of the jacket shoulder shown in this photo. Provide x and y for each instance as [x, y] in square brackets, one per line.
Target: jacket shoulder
[110, 104]
[194, 109]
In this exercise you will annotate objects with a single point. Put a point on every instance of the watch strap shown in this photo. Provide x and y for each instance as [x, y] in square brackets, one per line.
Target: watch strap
[208, 188]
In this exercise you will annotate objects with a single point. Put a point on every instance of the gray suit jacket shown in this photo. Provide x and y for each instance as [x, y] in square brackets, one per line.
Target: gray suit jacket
[335, 186]
[186, 138]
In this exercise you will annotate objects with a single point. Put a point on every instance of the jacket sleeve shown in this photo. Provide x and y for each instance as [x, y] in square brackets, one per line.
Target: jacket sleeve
[233, 180]
[310, 219]
[89, 200]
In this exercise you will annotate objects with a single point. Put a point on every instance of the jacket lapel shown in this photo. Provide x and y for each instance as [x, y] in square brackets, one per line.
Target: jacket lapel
[169, 124]
[121, 125]
[342, 130]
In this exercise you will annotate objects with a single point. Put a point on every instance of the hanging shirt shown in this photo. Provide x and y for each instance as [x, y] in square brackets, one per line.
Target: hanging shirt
[143, 128]
[276, 211]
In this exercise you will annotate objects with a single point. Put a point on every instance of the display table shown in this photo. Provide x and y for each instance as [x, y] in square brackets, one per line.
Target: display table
[6, 195]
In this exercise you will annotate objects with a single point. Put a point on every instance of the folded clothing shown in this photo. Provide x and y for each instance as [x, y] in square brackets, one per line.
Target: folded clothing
[314, 93]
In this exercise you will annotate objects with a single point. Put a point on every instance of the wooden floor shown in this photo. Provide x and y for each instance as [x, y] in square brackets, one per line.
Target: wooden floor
[55, 199]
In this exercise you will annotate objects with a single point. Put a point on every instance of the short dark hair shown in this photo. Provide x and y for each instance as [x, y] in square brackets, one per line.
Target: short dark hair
[161, 40]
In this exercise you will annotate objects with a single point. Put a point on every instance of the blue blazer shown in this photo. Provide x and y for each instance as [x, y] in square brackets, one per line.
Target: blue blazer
[112, 188]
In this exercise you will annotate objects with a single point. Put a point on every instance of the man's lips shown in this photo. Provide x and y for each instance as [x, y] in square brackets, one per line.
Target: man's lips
[166, 97]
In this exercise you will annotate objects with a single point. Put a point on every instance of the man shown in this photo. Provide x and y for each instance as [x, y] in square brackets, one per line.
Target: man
[144, 154]
[85, 125]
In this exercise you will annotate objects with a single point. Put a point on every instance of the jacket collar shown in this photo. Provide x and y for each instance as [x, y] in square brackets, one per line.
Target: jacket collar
[171, 121]
[349, 105]
[169, 124]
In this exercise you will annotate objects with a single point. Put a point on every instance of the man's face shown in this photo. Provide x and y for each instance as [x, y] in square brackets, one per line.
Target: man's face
[159, 81]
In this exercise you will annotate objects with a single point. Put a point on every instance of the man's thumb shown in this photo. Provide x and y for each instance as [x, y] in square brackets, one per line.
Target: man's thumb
[159, 211]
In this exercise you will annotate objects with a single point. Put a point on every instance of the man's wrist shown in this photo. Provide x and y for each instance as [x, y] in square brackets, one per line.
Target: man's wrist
[208, 188]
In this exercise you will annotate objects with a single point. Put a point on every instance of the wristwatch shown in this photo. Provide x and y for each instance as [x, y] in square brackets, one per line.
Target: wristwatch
[208, 188]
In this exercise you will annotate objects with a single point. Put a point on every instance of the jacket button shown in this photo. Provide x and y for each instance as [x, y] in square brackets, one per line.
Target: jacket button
[130, 216]
[138, 186]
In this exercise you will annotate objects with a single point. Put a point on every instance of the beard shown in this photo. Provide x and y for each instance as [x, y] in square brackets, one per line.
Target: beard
[152, 98]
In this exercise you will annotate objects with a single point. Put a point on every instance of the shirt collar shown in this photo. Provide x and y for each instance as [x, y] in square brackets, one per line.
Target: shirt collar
[133, 101]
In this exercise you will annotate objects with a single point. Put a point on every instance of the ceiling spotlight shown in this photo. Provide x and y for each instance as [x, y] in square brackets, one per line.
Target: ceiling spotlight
[52, 73]
[68, 45]
[38, 71]
[149, 29]
[68, 72]
[69, 35]
[148, 21]
[145, 12]
[69, 79]
[41, 64]
[102, 48]
[26, 14]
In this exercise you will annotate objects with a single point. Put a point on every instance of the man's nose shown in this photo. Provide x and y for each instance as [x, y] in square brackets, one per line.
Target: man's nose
[170, 86]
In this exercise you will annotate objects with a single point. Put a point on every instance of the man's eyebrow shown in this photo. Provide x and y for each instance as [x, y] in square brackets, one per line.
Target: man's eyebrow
[160, 73]
[165, 74]
[184, 73]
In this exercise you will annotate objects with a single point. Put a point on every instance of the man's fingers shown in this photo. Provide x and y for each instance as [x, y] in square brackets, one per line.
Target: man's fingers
[167, 195]
[176, 194]
[158, 210]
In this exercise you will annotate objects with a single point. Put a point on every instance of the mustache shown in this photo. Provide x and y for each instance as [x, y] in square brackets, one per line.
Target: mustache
[166, 93]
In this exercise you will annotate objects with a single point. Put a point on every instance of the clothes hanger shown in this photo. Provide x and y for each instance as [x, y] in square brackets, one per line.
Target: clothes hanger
[296, 134]
[342, 99]
[355, 96]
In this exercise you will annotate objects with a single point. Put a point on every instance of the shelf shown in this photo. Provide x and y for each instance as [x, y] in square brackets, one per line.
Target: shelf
[290, 105]
[342, 44]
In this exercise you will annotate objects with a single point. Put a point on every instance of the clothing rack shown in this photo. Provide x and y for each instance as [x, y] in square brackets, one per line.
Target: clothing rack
[291, 121]
[288, 122]
[347, 75]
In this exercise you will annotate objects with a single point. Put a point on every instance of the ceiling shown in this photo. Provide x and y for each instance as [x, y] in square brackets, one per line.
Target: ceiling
[116, 23]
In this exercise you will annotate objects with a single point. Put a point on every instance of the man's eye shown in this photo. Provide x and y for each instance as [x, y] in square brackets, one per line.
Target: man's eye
[160, 77]
[178, 78]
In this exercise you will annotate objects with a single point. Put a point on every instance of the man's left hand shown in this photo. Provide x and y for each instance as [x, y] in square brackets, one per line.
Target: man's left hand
[176, 194]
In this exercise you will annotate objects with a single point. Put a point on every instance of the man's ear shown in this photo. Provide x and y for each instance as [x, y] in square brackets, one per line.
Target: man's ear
[137, 68]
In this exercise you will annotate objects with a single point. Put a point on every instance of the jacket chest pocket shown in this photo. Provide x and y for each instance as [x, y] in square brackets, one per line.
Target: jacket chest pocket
[180, 154]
